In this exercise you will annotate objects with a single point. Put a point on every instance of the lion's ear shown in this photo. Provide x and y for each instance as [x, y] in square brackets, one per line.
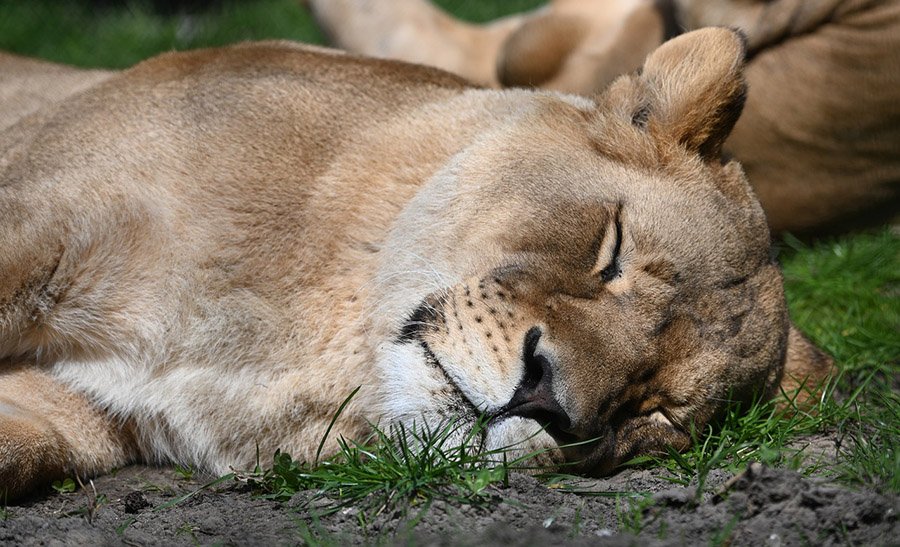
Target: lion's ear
[695, 89]
[806, 368]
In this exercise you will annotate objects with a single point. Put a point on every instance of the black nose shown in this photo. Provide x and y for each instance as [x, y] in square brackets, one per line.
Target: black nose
[534, 397]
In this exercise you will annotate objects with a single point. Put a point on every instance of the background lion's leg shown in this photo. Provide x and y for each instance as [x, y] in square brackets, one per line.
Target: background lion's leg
[763, 22]
[48, 432]
[415, 31]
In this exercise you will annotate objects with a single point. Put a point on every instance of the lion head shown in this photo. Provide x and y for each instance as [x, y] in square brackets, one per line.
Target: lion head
[593, 276]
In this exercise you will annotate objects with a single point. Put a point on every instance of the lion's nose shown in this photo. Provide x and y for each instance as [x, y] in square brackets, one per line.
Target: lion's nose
[533, 398]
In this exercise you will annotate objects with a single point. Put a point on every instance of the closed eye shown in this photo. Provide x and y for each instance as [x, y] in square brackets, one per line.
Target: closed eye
[608, 267]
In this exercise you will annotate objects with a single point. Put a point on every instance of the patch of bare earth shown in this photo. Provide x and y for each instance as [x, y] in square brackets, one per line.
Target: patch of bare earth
[761, 506]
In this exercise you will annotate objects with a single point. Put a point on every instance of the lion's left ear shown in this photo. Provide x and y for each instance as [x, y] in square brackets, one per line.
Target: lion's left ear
[806, 368]
[694, 85]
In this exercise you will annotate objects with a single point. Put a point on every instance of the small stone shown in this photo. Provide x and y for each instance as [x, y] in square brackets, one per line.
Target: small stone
[675, 497]
[135, 501]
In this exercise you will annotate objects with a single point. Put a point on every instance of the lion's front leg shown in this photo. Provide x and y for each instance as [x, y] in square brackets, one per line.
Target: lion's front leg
[48, 432]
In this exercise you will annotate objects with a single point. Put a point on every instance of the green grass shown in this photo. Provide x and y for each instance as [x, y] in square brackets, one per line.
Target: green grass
[397, 469]
[765, 432]
[74, 33]
[185, 473]
[65, 486]
[117, 37]
[843, 292]
[486, 10]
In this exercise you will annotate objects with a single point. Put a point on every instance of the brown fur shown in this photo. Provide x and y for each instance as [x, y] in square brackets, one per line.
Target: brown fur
[27, 85]
[820, 133]
[207, 253]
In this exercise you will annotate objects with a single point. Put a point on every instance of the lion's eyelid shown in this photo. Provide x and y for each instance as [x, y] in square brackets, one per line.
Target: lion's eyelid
[612, 266]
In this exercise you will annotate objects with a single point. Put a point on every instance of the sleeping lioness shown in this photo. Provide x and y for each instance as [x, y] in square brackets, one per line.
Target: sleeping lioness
[820, 134]
[204, 255]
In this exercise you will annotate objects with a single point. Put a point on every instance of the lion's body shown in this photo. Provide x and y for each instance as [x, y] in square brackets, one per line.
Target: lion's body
[820, 133]
[204, 255]
[239, 224]
[28, 85]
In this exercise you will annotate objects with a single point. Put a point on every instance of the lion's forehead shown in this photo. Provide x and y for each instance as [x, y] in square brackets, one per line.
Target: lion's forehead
[557, 194]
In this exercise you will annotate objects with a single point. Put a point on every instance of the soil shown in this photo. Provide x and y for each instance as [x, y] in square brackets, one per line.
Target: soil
[760, 506]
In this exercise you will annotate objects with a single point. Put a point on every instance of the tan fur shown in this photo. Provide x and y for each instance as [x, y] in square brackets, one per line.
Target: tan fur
[820, 133]
[205, 254]
[464, 48]
[49, 432]
[27, 85]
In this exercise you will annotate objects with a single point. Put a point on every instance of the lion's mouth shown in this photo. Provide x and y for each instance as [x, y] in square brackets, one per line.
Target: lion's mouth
[547, 421]
[529, 405]
[426, 317]
[469, 409]
[580, 454]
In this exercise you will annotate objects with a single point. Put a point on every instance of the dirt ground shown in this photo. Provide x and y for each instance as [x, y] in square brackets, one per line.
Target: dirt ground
[761, 506]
